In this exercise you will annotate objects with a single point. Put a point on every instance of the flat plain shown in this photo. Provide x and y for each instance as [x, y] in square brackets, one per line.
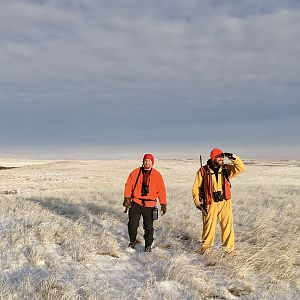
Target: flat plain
[63, 234]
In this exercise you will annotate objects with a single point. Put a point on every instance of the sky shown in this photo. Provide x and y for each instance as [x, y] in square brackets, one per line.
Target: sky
[118, 78]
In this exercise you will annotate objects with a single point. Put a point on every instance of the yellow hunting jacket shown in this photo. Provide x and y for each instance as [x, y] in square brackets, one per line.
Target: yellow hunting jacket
[235, 168]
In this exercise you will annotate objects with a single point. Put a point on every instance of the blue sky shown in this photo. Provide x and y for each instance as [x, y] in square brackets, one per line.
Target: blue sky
[93, 79]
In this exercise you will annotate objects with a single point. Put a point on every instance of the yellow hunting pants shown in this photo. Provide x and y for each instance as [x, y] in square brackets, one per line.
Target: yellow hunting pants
[221, 211]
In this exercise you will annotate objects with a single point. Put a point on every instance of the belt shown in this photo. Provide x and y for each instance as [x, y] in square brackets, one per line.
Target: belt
[143, 200]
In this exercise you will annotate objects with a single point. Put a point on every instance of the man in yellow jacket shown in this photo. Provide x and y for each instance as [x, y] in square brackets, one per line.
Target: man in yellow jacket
[143, 188]
[212, 195]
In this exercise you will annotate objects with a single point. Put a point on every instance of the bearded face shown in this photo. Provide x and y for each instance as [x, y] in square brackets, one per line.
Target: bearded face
[219, 161]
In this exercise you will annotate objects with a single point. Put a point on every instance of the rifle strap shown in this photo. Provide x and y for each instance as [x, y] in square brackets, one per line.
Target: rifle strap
[136, 182]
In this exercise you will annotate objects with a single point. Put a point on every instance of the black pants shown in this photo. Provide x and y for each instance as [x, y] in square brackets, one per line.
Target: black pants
[135, 213]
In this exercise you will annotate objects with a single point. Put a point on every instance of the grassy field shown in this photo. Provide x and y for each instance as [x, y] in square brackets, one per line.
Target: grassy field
[63, 234]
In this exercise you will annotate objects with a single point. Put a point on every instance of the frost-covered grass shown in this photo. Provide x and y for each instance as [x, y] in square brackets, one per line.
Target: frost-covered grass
[64, 235]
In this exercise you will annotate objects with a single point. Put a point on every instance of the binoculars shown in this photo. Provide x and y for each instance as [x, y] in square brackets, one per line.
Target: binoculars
[145, 189]
[218, 196]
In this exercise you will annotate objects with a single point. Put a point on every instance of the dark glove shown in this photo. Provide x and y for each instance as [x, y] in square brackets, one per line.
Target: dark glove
[127, 202]
[229, 155]
[202, 207]
[163, 208]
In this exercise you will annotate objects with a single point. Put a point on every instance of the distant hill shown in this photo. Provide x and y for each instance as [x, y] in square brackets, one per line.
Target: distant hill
[6, 168]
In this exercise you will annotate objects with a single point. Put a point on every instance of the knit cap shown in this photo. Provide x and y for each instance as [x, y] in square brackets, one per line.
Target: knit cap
[215, 153]
[149, 156]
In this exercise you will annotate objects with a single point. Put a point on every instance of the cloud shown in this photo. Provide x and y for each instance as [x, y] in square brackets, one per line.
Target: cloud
[95, 64]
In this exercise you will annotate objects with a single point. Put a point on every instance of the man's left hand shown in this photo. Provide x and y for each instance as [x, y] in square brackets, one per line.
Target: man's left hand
[229, 155]
[163, 208]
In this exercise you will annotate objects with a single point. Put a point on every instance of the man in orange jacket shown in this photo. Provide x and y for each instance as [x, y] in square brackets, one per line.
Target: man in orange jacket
[212, 195]
[143, 188]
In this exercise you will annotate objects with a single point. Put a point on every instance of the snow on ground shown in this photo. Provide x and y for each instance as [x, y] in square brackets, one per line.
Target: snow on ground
[64, 234]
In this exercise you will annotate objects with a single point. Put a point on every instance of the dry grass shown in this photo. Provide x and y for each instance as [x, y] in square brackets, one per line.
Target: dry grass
[64, 236]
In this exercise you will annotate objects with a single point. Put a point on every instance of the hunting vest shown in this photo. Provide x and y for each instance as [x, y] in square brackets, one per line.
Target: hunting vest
[207, 184]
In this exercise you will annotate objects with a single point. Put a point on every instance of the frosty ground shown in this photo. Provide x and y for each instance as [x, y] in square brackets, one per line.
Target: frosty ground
[64, 234]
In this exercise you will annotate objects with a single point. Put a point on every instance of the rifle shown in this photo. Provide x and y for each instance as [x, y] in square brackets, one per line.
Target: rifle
[202, 207]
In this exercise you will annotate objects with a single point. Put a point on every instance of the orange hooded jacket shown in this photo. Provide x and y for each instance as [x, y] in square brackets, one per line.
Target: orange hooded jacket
[156, 188]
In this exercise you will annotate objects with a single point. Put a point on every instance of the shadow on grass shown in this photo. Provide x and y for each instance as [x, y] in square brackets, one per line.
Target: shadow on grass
[75, 212]
[89, 214]
[56, 205]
